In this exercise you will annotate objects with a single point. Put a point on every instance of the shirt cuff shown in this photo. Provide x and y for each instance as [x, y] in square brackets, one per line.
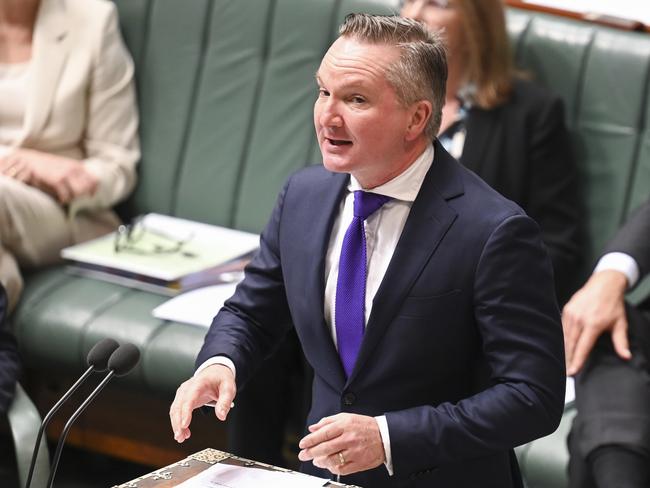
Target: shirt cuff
[217, 360]
[385, 439]
[622, 262]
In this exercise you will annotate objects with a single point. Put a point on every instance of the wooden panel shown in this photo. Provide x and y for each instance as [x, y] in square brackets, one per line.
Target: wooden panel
[608, 20]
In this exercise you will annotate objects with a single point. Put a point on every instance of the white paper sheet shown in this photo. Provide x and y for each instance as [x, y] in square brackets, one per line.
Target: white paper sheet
[570, 393]
[196, 307]
[229, 476]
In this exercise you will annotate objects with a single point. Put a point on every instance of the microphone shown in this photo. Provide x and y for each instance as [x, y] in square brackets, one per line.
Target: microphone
[121, 362]
[97, 360]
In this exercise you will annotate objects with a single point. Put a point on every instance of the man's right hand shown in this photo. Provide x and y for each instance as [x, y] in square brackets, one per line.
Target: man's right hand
[598, 307]
[216, 383]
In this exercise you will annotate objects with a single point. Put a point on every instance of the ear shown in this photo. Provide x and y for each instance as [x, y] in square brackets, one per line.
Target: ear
[419, 115]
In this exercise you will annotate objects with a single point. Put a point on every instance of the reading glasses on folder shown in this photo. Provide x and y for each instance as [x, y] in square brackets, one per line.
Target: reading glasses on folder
[136, 238]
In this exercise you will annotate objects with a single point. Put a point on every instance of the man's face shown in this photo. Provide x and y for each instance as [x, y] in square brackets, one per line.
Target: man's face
[360, 124]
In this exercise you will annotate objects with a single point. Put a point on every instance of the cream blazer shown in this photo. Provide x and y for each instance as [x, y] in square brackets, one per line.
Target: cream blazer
[81, 99]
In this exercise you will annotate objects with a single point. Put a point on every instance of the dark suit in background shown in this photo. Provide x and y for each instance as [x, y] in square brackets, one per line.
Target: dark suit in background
[522, 150]
[462, 351]
[613, 395]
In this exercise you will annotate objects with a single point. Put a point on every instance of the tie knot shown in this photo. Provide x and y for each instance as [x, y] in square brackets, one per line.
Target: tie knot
[366, 203]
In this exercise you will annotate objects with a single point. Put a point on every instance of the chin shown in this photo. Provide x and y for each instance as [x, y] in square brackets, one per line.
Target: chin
[336, 164]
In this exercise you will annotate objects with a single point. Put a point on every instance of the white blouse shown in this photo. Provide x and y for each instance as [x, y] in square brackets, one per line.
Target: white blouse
[14, 79]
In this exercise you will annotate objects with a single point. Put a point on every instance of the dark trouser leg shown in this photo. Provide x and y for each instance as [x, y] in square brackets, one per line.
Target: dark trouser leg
[613, 421]
[617, 467]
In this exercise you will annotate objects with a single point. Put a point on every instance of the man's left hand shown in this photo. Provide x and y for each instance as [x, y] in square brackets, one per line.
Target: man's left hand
[343, 444]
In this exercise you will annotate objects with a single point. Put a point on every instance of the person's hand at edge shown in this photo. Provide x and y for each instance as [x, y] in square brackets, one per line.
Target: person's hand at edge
[598, 307]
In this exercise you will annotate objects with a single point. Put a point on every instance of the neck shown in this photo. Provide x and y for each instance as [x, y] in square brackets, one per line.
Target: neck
[411, 154]
[18, 12]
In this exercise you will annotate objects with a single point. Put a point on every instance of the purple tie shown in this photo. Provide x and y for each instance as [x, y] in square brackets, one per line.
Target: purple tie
[349, 308]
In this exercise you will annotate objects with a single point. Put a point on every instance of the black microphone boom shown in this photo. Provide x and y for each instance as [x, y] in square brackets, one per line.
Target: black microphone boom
[121, 362]
[97, 360]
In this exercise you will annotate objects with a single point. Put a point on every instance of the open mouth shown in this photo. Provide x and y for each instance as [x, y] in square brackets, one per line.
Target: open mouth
[338, 142]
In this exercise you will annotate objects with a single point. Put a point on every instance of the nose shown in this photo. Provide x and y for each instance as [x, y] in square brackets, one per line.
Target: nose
[328, 113]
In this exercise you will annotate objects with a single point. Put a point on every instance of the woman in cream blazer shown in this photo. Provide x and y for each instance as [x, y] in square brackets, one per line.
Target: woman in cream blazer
[68, 139]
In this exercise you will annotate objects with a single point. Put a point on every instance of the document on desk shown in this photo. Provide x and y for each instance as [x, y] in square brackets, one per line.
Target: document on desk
[229, 476]
[196, 307]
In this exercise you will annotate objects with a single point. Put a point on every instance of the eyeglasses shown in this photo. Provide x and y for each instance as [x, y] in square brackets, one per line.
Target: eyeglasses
[136, 238]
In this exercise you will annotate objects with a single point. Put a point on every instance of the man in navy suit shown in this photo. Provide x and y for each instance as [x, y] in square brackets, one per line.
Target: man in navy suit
[422, 298]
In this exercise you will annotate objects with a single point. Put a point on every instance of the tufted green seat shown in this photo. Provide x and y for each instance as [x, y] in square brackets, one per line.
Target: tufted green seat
[225, 91]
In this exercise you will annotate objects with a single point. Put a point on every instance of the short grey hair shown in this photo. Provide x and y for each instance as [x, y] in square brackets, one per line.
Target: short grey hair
[421, 70]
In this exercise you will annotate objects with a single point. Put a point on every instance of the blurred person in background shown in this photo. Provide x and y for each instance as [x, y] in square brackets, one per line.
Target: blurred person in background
[607, 342]
[68, 129]
[507, 129]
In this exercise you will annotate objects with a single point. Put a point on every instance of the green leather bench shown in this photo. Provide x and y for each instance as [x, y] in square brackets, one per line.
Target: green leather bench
[225, 91]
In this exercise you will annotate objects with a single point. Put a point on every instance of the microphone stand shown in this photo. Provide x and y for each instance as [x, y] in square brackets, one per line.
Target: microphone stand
[68, 425]
[47, 419]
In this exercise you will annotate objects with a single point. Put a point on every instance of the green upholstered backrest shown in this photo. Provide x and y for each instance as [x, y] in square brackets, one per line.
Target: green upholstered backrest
[603, 76]
[226, 89]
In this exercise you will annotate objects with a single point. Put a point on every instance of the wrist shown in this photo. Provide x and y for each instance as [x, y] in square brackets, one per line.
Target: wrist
[612, 282]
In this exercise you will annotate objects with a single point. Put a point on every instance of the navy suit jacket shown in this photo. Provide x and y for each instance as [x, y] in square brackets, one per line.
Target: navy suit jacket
[463, 348]
[634, 239]
[9, 363]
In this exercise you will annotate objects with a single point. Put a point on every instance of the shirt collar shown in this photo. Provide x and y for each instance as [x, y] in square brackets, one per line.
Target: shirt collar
[406, 185]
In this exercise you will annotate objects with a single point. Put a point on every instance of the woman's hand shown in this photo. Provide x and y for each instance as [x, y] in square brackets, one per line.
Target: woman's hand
[63, 178]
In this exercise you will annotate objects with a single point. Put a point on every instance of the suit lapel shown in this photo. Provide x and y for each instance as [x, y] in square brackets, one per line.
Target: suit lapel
[50, 50]
[325, 200]
[426, 226]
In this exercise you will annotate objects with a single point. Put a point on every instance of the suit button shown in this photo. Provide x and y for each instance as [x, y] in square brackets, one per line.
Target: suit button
[349, 399]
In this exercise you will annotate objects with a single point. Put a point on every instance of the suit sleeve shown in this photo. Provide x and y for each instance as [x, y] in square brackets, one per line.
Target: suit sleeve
[253, 321]
[554, 194]
[111, 139]
[519, 324]
[634, 238]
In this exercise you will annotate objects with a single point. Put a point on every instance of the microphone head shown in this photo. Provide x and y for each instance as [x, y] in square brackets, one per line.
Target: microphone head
[99, 354]
[124, 359]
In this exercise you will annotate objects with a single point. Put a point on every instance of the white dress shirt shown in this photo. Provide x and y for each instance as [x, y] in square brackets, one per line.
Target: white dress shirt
[383, 230]
[622, 262]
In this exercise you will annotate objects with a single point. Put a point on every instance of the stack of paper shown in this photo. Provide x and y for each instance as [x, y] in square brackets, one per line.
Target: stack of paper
[164, 254]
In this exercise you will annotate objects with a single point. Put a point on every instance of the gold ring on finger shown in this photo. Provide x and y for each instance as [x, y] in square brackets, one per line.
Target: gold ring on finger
[341, 458]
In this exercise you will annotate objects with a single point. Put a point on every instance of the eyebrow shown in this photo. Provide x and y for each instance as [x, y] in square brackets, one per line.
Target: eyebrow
[354, 85]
